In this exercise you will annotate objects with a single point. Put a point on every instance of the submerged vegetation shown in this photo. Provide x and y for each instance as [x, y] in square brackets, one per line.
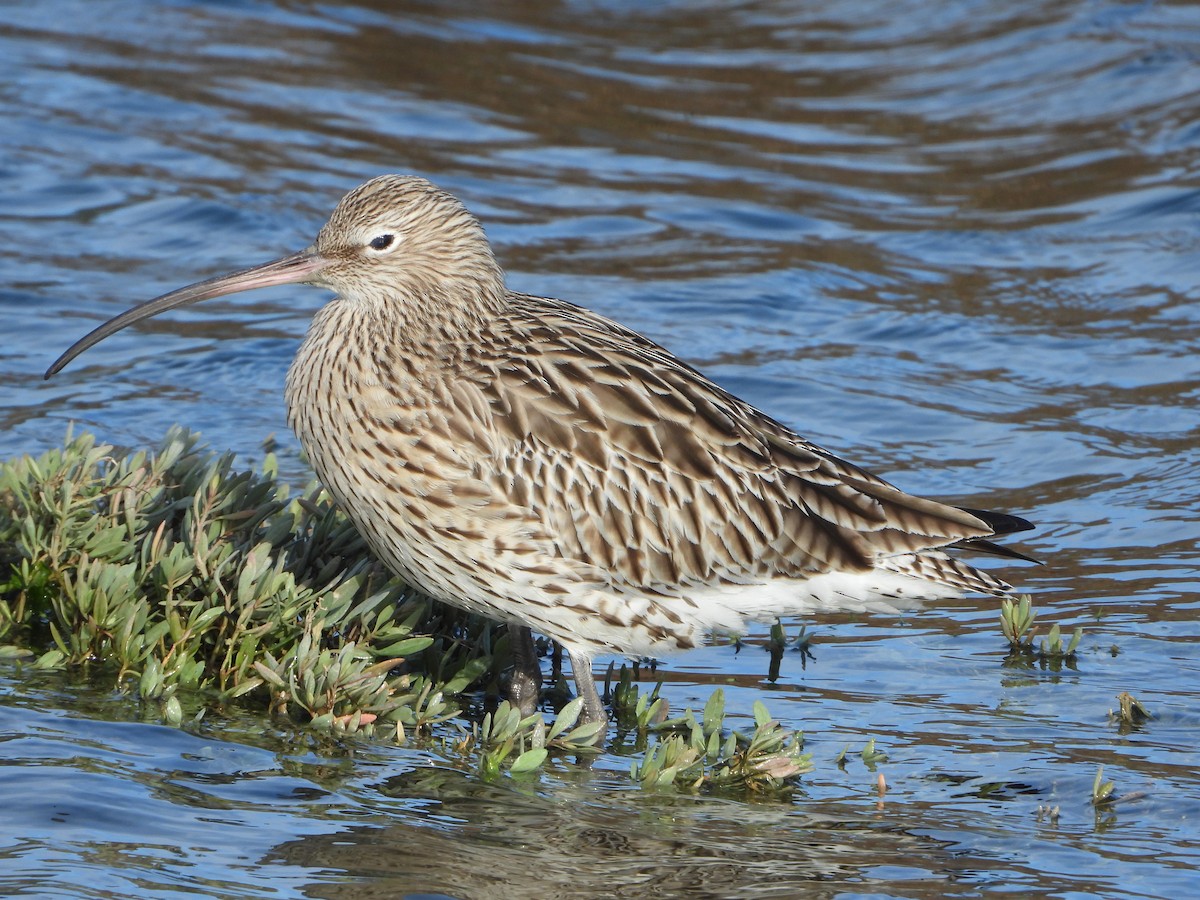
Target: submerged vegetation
[194, 583]
[1017, 623]
[1130, 714]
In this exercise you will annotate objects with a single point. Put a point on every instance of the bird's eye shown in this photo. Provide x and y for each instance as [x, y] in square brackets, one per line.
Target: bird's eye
[382, 242]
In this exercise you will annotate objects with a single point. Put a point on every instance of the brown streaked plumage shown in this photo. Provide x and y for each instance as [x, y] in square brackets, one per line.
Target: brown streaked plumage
[537, 463]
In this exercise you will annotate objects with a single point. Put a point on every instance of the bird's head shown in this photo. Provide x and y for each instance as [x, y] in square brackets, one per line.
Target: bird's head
[396, 244]
[400, 239]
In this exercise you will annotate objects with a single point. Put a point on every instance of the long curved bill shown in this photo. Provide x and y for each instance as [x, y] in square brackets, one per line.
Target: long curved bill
[297, 268]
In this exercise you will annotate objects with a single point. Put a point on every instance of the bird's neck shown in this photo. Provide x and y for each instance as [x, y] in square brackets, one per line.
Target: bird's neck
[435, 330]
[354, 348]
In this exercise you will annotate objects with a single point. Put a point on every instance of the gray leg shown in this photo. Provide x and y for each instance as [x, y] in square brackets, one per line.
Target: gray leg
[593, 709]
[525, 687]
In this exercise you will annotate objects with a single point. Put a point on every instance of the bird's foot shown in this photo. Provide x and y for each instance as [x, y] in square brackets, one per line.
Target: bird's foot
[524, 693]
[524, 689]
[599, 716]
[593, 707]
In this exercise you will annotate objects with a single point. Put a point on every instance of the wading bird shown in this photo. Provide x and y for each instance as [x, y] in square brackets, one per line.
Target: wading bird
[529, 460]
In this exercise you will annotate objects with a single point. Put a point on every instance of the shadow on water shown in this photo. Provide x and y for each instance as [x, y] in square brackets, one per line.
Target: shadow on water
[584, 845]
[956, 246]
[114, 806]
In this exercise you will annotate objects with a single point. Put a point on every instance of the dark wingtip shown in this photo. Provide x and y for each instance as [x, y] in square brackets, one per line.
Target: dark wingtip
[1000, 523]
[981, 545]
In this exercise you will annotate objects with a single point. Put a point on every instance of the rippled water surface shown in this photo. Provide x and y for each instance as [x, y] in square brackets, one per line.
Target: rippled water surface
[957, 243]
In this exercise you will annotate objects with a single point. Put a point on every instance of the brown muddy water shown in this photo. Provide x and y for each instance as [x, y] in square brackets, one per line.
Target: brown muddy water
[957, 243]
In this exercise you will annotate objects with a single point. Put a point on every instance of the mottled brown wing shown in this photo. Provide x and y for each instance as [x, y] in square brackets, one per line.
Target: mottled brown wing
[640, 465]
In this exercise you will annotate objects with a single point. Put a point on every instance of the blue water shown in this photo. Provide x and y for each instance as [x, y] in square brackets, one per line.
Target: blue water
[955, 243]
